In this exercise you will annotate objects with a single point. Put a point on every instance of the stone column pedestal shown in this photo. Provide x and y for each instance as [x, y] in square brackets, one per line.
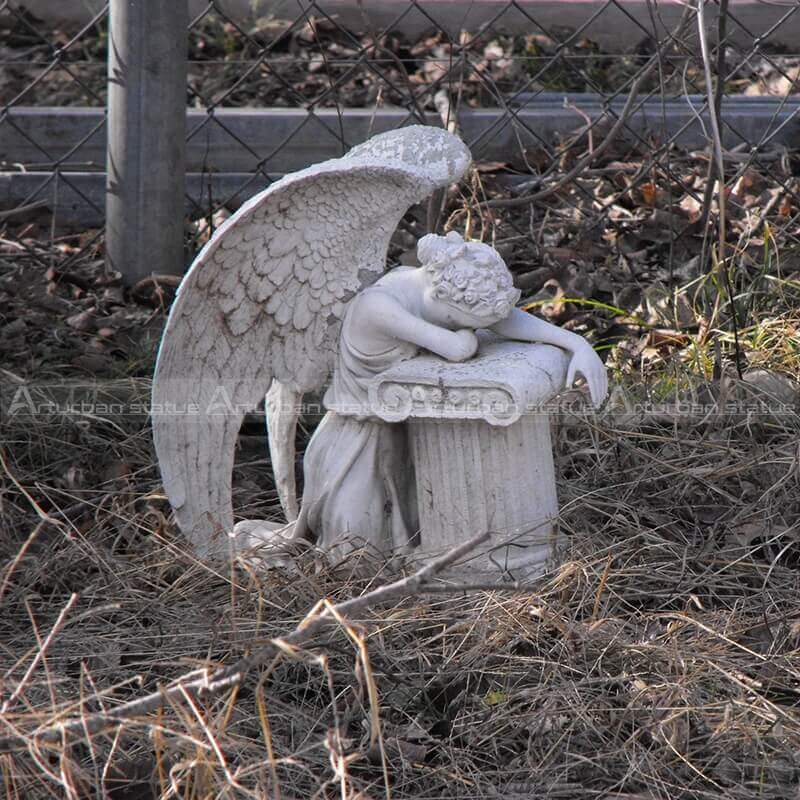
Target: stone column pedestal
[482, 456]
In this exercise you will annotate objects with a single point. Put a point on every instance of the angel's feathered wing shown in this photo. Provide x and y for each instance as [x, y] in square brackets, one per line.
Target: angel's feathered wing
[264, 299]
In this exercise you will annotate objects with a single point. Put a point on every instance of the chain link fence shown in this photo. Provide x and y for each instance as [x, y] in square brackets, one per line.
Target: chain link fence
[602, 123]
[52, 150]
[530, 100]
[641, 181]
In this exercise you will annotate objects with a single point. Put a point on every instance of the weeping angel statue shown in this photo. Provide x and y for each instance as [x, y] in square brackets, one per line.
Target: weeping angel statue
[288, 291]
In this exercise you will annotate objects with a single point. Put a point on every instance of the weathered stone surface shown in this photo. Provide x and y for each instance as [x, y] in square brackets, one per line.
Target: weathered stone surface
[416, 451]
[506, 380]
[473, 477]
[480, 445]
[264, 300]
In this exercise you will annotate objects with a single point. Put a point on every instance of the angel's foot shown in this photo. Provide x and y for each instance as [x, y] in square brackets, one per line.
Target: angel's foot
[257, 532]
[272, 543]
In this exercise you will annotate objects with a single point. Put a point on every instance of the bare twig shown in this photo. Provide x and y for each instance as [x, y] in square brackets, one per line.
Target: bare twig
[588, 120]
[23, 209]
[441, 99]
[9, 570]
[42, 514]
[39, 656]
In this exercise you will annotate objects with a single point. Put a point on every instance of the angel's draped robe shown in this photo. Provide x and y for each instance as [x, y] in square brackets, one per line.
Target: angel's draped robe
[359, 481]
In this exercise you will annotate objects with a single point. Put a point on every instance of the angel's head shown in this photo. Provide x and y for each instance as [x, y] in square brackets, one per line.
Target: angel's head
[467, 283]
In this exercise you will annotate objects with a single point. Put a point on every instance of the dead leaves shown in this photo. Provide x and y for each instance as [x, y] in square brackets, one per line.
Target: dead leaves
[83, 321]
[81, 316]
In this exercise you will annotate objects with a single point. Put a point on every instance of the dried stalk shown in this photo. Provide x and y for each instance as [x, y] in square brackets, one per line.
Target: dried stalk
[715, 113]
[207, 685]
[714, 107]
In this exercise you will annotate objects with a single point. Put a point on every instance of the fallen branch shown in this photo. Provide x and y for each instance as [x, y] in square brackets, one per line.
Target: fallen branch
[206, 685]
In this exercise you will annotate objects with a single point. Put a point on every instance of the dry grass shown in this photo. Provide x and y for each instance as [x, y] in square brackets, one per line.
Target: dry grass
[660, 661]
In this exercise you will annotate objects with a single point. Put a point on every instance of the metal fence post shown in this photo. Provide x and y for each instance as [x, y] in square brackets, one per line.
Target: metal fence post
[146, 137]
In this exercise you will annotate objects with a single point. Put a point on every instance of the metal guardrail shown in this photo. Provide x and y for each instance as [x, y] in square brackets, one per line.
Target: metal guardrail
[221, 173]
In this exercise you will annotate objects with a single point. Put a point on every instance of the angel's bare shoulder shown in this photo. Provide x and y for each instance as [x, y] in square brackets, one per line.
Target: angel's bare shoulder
[381, 311]
[376, 305]
[399, 276]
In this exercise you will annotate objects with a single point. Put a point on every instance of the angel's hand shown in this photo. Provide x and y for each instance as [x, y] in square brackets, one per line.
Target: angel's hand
[460, 345]
[586, 362]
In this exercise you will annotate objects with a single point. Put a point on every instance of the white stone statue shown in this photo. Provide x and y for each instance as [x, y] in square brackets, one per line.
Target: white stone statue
[285, 294]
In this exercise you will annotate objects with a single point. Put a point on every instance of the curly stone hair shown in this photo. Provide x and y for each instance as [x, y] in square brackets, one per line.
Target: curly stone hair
[468, 275]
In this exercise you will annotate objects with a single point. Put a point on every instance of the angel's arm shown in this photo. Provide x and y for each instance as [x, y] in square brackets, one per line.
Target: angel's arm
[527, 328]
[387, 317]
